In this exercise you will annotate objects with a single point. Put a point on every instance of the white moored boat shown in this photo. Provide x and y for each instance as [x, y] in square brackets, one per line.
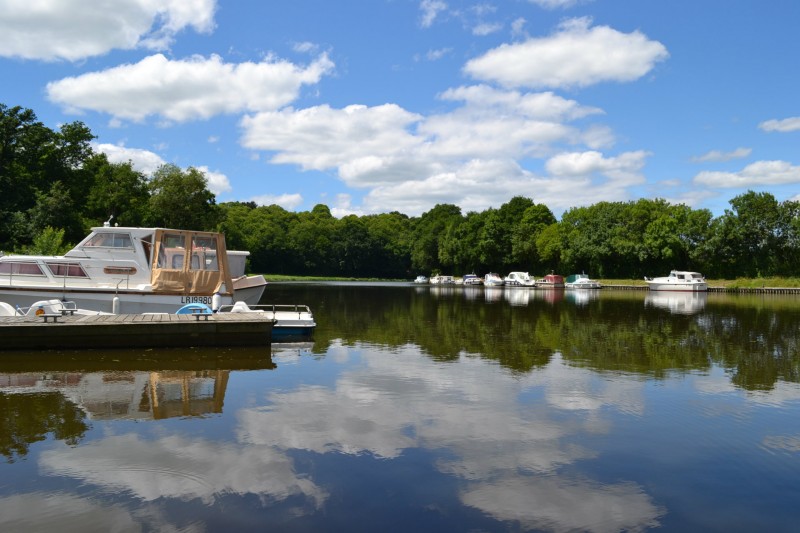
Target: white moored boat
[493, 280]
[679, 280]
[581, 281]
[292, 322]
[519, 279]
[472, 280]
[133, 270]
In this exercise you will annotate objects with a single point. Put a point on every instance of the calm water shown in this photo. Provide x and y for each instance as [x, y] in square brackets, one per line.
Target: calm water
[424, 409]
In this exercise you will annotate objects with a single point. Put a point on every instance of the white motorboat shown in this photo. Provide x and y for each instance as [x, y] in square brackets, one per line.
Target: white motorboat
[292, 322]
[46, 307]
[472, 279]
[493, 280]
[421, 279]
[133, 270]
[581, 281]
[679, 280]
[519, 279]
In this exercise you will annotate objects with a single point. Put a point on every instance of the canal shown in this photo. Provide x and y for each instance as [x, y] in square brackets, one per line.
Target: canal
[419, 408]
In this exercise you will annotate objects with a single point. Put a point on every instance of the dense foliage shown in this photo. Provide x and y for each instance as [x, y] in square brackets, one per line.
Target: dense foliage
[54, 187]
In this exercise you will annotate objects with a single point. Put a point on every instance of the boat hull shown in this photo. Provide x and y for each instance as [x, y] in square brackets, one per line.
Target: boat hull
[130, 301]
[656, 285]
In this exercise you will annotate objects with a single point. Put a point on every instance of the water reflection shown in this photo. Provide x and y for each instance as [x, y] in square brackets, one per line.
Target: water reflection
[681, 303]
[506, 455]
[422, 410]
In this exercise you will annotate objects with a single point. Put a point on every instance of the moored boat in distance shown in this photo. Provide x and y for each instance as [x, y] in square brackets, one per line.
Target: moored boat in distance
[133, 270]
[519, 279]
[472, 279]
[493, 280]
[550, 281]
[421, 279]
[581, 281]
[678, 280]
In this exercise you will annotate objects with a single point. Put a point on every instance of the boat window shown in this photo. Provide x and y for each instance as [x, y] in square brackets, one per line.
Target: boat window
[147, 245]
[70, 270]
[204, 253]
[110, 240]
[171, 251]
[20, 268]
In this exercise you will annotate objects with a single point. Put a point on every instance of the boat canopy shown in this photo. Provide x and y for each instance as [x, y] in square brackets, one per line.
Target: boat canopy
[189, 262]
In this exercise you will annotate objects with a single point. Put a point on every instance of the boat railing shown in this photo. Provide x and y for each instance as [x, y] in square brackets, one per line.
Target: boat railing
[272, 308]
[61, 307]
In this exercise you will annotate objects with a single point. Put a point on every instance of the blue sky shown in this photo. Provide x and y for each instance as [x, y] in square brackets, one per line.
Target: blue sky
[373, 106]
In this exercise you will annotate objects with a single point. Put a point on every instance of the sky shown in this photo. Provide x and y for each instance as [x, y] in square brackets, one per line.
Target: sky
[373, 106]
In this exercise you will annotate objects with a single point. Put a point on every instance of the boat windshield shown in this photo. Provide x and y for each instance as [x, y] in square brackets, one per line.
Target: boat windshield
[110, 240]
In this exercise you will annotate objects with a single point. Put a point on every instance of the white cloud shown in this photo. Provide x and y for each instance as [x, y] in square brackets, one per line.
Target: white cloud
[430, 10]
[555, 4]
[468, 156]
[218, 182]
[144, 161]
[190, 89]
[577, 55]
[753, 175]
[434, 55]
[518, 28]
[486, 28]
[717, 156]
[75, 29]
[321, 138]
[286, 201]
[625, 168]
[783, 126]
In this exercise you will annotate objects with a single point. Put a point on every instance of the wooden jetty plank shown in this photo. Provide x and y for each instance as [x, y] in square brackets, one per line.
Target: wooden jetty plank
[104, 331]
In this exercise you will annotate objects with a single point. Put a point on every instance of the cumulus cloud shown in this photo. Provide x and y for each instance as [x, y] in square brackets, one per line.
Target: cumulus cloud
[218, 182]
[753, 175]
[144, 161]
[783, 126]
[286, 201]
[467, 156]
[75, 29]
[319, 138]
[576, 55]
[625, 168]
[189, 89]
[715, 156]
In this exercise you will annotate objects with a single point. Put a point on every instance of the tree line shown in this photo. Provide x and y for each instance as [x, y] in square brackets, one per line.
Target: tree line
[54, 187]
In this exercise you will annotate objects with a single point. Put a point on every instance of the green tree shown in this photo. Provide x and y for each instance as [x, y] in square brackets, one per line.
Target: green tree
[181, 200]
[535, 219]
[49, 242]
[118, 190]
[427, 233]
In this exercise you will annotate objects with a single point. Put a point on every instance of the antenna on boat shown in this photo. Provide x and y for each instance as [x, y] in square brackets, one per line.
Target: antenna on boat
[107, 223]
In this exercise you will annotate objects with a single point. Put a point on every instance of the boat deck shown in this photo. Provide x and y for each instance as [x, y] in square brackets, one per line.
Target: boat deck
[139, 330]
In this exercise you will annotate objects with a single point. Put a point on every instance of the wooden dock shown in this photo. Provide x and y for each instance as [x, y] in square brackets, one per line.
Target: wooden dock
[134, 331]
